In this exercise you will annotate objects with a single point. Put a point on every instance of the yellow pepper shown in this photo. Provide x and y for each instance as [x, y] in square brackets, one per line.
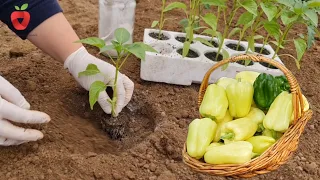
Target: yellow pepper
[215, 102]
[238, 130]
[220, 123]
[212, 145]
[225, 82]
[233, 153]
[261, 143]
[306, 107]
[257, 116]
[240, 97]
[200, 134]
[249, 76]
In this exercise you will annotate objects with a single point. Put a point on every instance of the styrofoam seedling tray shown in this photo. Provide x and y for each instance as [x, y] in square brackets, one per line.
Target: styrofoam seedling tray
[168, 66]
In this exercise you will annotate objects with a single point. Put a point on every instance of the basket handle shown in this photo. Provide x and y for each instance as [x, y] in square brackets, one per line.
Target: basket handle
[294, 86]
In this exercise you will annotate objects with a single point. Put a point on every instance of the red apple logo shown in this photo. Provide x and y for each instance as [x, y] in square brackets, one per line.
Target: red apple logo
[20, 14]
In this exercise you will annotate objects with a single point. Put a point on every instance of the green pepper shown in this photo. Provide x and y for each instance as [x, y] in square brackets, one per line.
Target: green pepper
[257, 116]
[261, 143]
[220, 123]
[225, 82]
[270, 133]
[278, 118]
[240, 98]
[267, 88]
[283, 83]
[200, 134]
[215, 103]
[233, 153]
[239, 129]
[249, 76]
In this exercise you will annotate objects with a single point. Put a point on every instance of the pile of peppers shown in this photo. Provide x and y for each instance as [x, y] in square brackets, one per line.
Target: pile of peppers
[242, 118]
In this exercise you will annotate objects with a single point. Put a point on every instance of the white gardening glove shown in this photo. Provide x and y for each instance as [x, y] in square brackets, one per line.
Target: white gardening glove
[78, 62]
[15, 108]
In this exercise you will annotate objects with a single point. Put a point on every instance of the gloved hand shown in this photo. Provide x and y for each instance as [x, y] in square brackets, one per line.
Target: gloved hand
[15, 108]
[78, 62]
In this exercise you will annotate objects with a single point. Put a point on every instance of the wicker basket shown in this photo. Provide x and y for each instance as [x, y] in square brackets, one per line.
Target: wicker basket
[275, 155]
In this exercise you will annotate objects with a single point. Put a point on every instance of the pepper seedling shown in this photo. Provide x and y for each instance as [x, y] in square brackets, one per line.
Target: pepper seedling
[298, 12]
[123, 50]
[165, 9]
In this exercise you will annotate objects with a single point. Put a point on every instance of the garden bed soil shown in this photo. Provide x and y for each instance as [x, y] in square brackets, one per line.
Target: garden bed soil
[153, 127]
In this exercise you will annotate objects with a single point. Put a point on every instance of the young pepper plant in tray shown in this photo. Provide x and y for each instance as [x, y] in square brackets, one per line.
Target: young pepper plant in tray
[165, 9]
[123, 50]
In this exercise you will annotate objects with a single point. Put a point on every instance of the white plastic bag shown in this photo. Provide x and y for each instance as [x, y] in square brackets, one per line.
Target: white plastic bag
[115, 14]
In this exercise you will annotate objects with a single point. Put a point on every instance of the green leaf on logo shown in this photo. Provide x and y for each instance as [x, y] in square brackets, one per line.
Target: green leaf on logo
[269, 9]
[301, 47]
[154, 24]
[24, 7]
[250, 5]
[122, 35]
[95, 89]
[175, 5]
[17, 8]
[93, 41]
[91, 69]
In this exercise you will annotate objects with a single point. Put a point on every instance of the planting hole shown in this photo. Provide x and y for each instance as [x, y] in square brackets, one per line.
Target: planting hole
[163, 48]
[268, 65]
[182, 39]
[191, 54]
[235, 47]
[156, 36]
[261, 51]
[243, 62]
[215, 44]
[212, 56]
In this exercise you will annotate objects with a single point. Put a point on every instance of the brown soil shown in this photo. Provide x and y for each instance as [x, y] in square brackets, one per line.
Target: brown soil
[155, 123]
[264, 51]
[214, 44]
[182, 39]
[156, 36]
[191, 53]
[212, 56]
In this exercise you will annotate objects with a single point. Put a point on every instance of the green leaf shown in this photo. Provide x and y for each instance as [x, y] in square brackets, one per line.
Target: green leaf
[175, 5]
[314, 4]
[277, 44]
[234, 31]
[219, 3]
[91, 69]
[17, 8]
[146, 47]
[269, 9]
[301, 47]
[24, 6]
[93, 41]
[245, 18]
[273, 28]
[258, 37]
[312, 15]
[117, 46]
[209, 32]
[311, 35]
[122, 35]
[137, 50]
[206, 6]
[250, 40]
[186, 47]
[220, 37]
[106, 48]
[250, 5]
[204, 41]
[288, 3]
[95, 89]
[211, 20]
[288, 17]
[154, 24]
[184, 23]
[225, 55]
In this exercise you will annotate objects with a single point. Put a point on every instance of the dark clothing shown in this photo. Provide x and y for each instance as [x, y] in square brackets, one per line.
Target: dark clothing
[22, 18]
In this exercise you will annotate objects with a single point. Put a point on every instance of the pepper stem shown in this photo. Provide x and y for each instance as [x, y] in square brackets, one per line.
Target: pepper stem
[260, 128]
[228, 136]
